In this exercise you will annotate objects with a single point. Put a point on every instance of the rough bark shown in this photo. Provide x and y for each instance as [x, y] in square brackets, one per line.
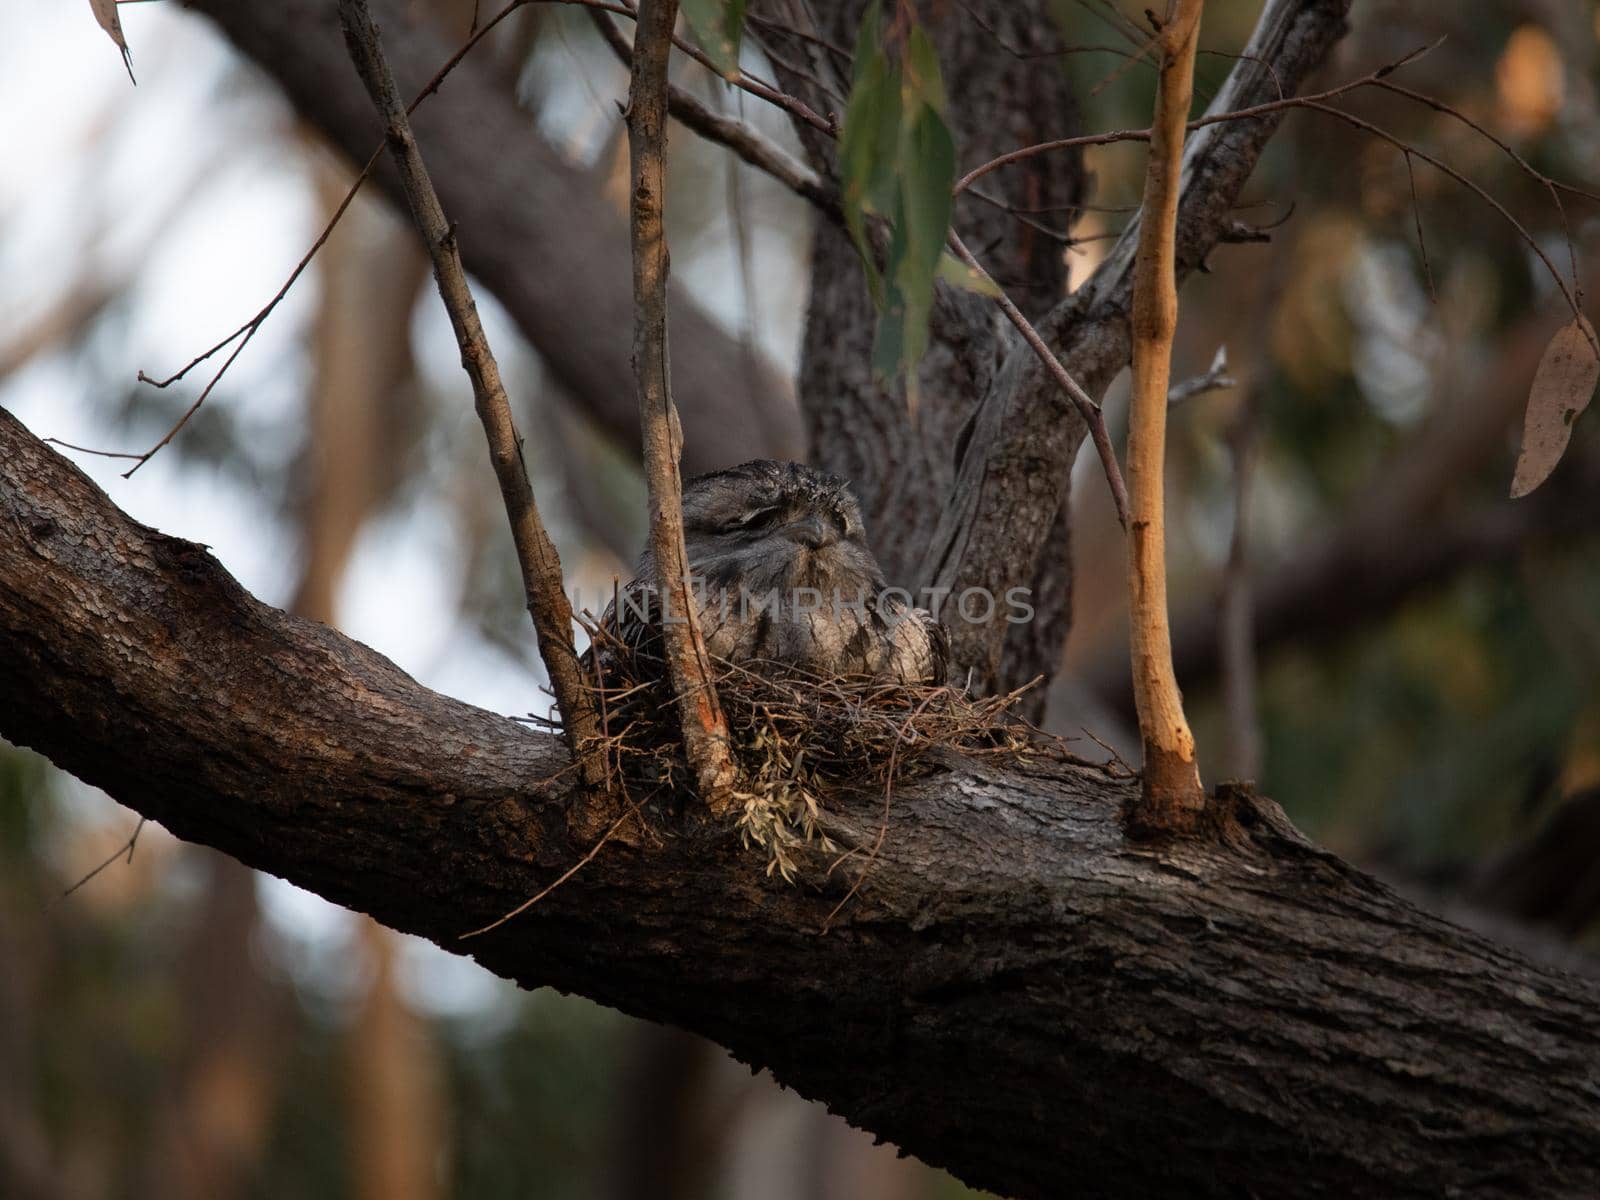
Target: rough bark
[1017, 993]
[525, 217]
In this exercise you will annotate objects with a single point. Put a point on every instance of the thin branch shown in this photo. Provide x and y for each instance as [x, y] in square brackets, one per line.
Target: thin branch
[1022, 55]
[536, 553]
[841, 53]
[123, 851]
[1215, 379]
[1171, 800]
[91, 450]
[245, 332]
[743, 139]
[1528, 239]
[248, 330]
[1416, 215]
[559, 880]
[705, 732]
[1552, 185]
[1143, 135]
[1091, 412]
[793, 105]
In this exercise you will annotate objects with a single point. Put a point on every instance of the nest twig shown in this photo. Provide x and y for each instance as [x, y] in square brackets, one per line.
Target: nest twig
[798, 738]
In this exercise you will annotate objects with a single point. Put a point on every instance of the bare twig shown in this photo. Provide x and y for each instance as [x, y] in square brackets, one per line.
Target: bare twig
[1091, 412]
[1416, 215]
[705, 732]
[1171, 799]
[1215, 379]
[736, 135]
[536, 554]
[792, 105]
[250, 328]
[583, 862]
[1020, 54]
[1143, 135]
[124, 850]
[1521, 230]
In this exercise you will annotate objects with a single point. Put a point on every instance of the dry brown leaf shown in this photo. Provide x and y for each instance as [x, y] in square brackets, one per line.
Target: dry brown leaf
[105, 11]
[1561, 389]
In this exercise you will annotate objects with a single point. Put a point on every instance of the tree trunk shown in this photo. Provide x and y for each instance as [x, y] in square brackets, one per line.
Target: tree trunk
[1017, 993]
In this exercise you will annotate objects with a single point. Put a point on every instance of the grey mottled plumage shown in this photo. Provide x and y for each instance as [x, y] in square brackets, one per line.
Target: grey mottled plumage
[782, 530]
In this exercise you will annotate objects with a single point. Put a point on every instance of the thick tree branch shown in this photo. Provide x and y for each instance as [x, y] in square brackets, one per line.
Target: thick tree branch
[525, 216]
[1201, 1021]
[542, 583]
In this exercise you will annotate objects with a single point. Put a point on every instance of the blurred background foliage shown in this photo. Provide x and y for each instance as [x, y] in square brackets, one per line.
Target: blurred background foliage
[1424, 693]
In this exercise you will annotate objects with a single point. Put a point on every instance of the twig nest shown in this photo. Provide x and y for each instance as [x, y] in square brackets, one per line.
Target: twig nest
[798, 738]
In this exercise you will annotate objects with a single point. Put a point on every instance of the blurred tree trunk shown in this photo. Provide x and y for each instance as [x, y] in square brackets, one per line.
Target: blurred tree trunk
[663, 1141]
[361, 405]
[215, 1124]
[394, 1089]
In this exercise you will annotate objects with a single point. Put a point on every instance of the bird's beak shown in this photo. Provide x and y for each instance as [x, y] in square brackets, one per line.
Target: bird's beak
[812, 531]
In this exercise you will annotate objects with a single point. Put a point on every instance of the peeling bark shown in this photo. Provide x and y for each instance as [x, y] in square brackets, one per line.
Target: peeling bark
[1017, 992]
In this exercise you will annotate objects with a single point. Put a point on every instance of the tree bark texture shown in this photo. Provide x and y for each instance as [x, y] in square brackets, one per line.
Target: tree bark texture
[1016, 993]
[529, 221]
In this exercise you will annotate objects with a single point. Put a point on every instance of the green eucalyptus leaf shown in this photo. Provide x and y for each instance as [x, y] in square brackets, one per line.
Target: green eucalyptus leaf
[922, 219]
[867, 145]
[897, 162]
[923, 79]
[869, 42]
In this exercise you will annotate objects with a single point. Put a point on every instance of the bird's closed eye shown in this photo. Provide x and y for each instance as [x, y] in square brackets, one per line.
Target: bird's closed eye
[756, 518]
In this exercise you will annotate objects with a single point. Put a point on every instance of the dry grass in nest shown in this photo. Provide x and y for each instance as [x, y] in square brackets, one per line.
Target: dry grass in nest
[798, 738]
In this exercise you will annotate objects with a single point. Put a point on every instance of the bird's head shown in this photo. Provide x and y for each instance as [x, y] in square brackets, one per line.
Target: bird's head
[768, 524]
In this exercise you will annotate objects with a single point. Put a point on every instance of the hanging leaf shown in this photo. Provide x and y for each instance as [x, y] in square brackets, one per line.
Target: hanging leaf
[897, 162]
[105, 12]
[1562, 387]
[928, 167]
[717, 26]
[867, 153]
